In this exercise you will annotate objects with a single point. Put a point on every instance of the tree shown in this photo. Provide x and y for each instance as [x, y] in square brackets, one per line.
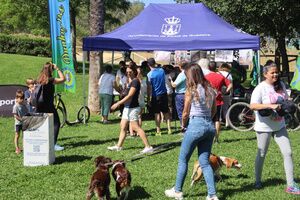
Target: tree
[277, 18]
[97, 11]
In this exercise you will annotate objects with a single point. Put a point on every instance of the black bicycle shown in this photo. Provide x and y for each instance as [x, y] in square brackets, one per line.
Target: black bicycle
[241, 118]
[83, 115]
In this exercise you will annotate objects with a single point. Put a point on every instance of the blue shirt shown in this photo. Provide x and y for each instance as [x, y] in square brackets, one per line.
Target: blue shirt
[156, 77]
[180, 83]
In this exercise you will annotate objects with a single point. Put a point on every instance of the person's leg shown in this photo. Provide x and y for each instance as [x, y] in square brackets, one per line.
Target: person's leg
[187, 147]
[16, 141]
[157, 123]
[179, 102]
[135, 126]
[168, 121]
[123, 129]
[216, 119]
[56, 125]
[263, 141]
[204, 151]
[101, 102]
[107, 101]
[283, 141]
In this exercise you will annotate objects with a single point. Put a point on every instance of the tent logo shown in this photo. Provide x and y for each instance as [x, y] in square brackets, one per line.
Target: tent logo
[173, 26]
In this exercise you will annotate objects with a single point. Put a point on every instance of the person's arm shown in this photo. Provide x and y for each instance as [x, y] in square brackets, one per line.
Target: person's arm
[186, 109]
[61, 78]
[256, 101]
[149, 90]
[18, 117]
[259, 106]
[125, 99]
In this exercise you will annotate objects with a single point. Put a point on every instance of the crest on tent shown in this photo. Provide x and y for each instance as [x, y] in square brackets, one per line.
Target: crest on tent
[172, 27]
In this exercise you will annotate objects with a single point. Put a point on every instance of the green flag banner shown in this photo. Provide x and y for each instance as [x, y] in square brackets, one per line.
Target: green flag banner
[295, 83]
[255, 74]
[61, 43]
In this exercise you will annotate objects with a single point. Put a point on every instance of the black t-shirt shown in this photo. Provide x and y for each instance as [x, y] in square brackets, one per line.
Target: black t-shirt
[134, 101]
[48, 98]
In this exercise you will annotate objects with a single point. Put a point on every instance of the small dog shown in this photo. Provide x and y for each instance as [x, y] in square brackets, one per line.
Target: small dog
[123, 179]
[100, 179]
[216, 163]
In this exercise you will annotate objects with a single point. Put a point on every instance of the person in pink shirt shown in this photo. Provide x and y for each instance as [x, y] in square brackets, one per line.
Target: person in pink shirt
[217, 81]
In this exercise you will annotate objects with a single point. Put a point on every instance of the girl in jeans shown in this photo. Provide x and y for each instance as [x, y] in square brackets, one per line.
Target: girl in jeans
[265, 96]
[199, 106]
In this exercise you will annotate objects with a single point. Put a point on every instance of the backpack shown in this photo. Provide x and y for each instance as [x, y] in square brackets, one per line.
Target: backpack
[37, 95]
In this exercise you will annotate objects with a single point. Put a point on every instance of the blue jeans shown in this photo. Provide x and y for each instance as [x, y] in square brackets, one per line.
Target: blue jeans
[179, 102]
[200, 133]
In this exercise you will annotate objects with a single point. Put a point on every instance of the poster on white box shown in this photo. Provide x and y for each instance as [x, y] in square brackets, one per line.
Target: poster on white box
[39, 142]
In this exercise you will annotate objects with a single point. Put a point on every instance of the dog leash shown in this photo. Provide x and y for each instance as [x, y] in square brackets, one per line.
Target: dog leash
[155, 150]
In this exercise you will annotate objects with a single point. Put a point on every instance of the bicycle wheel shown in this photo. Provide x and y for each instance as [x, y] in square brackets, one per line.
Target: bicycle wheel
[292, 121]
[84, 111]
[62, 116]
[240, 117]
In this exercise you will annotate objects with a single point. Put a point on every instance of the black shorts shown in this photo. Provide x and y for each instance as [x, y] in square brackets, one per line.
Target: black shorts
[160, 104]
[217, 116]
[18, 128]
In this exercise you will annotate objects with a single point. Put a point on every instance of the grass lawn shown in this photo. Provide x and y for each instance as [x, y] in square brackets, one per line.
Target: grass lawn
[69, 177]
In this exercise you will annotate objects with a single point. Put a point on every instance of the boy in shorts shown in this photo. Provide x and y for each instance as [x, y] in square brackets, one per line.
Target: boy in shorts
[19, 110]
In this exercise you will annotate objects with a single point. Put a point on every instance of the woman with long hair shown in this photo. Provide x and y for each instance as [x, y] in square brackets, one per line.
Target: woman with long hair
[131, 110]
[267, 95]
[199, 107]
[47, 106]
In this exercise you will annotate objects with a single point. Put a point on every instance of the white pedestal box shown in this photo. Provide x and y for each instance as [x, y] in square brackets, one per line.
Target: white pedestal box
[38, 141]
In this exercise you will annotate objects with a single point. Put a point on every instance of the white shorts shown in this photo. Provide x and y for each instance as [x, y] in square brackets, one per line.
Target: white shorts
[131, 114]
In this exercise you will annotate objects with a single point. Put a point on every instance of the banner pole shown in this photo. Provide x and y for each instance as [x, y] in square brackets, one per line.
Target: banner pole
[83, 83]
[258, 65]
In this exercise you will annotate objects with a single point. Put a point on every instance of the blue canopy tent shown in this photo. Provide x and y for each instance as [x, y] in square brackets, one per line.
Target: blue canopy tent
[169, 27]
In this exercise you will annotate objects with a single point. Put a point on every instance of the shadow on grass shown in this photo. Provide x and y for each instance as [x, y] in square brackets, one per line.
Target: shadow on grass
[89, 142]
[71, 158]
[69, 138]
[239, 139]
[111, 121]
[137, 192]
[225, 193]
[158, 149]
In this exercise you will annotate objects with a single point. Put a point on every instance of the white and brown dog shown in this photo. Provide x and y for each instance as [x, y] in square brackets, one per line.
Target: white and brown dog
[216, 163]
[123, 179]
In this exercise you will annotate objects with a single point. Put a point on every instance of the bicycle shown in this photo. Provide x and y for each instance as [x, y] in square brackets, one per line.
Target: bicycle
[239, 115]
[241, 118]
[83, 115]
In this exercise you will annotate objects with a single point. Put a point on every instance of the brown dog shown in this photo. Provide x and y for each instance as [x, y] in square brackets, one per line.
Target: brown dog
[100, 179]
[216, 163]
[123, 179]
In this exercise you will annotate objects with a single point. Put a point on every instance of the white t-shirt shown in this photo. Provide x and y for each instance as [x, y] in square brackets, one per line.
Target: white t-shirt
[106, 83]
[264, 93]
[123, 78]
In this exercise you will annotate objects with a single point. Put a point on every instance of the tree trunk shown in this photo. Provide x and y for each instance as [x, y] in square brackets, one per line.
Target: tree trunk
[284, 57]
[96, 28]
[73, 30]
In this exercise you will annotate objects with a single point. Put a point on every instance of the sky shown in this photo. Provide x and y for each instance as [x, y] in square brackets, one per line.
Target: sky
[157, 1]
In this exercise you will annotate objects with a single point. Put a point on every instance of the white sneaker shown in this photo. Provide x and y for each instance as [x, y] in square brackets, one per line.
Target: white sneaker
[147, 149]
[114, 148]
[173, 194]
[58, 148]
[212, 198]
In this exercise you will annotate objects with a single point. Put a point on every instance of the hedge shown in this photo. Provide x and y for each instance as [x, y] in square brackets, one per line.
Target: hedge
[25, 45]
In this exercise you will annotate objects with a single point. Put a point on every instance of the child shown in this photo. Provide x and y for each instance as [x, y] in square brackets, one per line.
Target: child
[30, 84]
[19, 110]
